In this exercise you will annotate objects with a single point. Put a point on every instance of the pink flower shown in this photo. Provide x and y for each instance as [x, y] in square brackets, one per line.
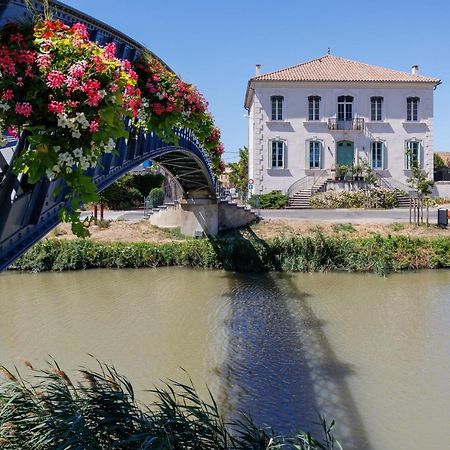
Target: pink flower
[156, 77]
[56, 107]
[8, 94]
[78, 70]
[113, 87]
[72, 103]
[44, 60]
[90, 85]
[55, 79]
[24, 109]
[80, 30]
[110, 50]
[72, 83]
[12, 132]
[29, 72]
[93, 126]
[94, 98]
[19, 81]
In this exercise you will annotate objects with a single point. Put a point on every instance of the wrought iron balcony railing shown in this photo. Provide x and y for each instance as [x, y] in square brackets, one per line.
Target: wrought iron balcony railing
[350, 124]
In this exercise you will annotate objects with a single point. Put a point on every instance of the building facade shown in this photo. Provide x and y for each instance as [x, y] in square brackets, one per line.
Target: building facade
[306, 120]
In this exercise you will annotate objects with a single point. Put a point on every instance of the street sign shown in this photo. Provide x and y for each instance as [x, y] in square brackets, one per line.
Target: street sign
[251, 181]
[250, 187]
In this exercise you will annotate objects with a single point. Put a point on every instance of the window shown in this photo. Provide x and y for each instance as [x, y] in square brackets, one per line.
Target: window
[345, 107]
[375, 108]
[277, 149]
[277, 107]
[313, 107]
[314, 155]
[411, 108]
[413, 148]
[377, 154]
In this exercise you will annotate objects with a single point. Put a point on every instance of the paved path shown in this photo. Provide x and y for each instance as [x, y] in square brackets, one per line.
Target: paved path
[345, 215]
[327, 215]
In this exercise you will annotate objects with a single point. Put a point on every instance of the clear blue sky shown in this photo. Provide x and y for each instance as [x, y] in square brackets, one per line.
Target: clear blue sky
[216, 44]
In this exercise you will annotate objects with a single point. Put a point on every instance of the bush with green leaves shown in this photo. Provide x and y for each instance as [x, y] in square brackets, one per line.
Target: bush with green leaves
[129, 190]
[243, 252]
[272, 200]
[156, 197]
[372, 198]
[100, 412]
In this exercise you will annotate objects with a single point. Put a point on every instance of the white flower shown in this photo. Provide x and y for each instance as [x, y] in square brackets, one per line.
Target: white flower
[76, 134]
[4, 106]
[78, 152]
[68, 169]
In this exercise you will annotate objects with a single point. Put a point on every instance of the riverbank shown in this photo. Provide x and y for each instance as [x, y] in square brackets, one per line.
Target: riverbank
[246, 251]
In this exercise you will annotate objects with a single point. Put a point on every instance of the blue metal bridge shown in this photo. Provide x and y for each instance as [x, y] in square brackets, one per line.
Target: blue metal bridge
[29, 212]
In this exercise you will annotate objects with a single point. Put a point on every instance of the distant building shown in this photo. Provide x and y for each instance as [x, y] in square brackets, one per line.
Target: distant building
[307, 119]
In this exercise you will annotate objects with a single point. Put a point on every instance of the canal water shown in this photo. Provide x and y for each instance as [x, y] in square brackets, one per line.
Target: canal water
[370, 352]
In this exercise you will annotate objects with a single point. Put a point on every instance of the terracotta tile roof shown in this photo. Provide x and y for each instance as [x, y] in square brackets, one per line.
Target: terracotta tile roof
[445, 157]
[334, 68]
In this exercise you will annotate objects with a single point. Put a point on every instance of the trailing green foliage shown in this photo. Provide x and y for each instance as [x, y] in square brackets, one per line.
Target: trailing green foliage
[129, 190]
[100, 412]
[156, 197]
[372, 198]
[245, 252]
[272, 200]
[239, 171]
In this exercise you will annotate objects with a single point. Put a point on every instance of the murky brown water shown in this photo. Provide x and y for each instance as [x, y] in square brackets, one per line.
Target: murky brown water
[372, 352]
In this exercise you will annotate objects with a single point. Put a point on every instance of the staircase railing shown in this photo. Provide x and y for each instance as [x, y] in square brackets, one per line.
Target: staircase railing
[392, 183]
[307, 182]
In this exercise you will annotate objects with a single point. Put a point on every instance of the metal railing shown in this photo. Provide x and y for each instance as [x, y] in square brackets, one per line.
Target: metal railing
[307, 182]
[350, 124]
[393, 184]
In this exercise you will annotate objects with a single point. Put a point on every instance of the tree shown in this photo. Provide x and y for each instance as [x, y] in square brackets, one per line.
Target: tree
[438, 162]
[239, 171]
[419, 180]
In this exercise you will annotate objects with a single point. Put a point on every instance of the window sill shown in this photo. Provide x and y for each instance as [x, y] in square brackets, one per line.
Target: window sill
[272, 122]
[413, 122]
[370, 122]
[309, 122]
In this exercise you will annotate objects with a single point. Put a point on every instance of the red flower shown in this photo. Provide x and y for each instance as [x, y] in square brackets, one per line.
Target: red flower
[55, 79]
[23, 109]
[7, 95]
[56, 107]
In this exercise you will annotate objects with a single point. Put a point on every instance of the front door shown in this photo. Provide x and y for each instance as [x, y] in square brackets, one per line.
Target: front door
[344, 153]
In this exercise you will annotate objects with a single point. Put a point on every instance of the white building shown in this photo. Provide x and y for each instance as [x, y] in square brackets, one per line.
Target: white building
[307, 119]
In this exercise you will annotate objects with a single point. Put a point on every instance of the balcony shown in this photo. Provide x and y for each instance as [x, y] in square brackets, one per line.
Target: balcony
[335, 124]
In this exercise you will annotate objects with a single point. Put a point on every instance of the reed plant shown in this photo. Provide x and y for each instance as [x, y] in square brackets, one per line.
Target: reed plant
[100, 411]
[244, 252]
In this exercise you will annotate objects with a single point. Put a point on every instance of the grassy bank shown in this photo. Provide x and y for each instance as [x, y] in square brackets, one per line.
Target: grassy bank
[245, 251]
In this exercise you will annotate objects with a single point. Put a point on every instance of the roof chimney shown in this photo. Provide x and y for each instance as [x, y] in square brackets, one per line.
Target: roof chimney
[258, 70]
[415, 69]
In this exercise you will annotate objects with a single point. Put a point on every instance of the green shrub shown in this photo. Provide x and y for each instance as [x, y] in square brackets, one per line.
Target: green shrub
[246, 253]
[156, 197]
[129, 190]
[373, 198]
[272, 200]
[100, 412]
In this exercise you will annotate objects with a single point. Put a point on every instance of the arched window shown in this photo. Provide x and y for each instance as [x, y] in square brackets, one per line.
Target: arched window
[345, 107]
[314, 107]
[277, 107]
[376, 104]
[377, 149]
[412, 104]
[314, 152]
[413, 153]
[277, 150]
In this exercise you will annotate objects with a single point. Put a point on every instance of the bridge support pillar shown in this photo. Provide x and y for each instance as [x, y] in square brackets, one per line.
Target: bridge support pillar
[194, 216]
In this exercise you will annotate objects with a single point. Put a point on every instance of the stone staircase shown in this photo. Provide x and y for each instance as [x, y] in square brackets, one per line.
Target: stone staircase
[403, 199]
[301, 199]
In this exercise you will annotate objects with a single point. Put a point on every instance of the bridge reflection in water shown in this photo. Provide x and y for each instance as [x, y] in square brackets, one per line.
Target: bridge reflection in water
[280, 366]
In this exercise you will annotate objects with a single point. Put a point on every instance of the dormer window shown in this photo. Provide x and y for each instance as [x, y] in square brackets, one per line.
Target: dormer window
[345, 107]
[412, 104]
[277, 107]
[376, 108]
[314, 107]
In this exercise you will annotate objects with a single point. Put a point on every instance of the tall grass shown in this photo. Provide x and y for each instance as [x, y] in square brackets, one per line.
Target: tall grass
[246, 252]
[100, 412]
